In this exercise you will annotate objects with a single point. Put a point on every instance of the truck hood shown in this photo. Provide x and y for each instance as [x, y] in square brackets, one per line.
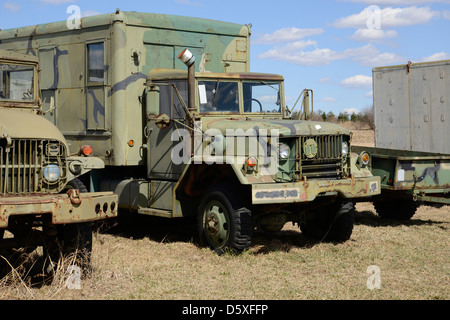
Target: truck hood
[286, 128]
[27, 125]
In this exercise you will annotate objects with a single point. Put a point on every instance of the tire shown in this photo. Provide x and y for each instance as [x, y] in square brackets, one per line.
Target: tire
[398, 209]
[224, 222]
[333, 222]
[76, 184]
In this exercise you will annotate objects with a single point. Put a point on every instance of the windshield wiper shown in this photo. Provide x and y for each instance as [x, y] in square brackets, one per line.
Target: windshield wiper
[215, 94]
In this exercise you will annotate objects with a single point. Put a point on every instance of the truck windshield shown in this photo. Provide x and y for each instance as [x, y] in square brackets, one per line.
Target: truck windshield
[218, 96]
[16, 82]
[261, 97]
[223, 96]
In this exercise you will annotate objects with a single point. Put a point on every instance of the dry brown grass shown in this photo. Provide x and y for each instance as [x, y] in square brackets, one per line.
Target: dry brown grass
[157, 259]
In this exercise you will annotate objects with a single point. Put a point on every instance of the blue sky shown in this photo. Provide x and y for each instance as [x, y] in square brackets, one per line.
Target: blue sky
[329, 46]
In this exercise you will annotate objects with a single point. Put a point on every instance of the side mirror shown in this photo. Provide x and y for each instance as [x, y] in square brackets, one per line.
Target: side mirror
[52, 106]
[152, 100]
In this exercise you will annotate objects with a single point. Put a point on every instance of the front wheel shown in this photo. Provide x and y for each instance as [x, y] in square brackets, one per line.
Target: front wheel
[224, 222]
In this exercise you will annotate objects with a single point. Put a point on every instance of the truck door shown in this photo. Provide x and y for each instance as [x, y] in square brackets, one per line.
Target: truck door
[160, 145]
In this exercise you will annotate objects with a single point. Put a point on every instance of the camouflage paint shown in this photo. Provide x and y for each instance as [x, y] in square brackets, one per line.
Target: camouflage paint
[26, 140]
[357, 181]
[412, 173]
[108, 115]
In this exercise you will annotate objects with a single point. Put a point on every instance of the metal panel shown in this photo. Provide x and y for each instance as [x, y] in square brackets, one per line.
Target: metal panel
[412, 107]
[430, 89]
[391, 105]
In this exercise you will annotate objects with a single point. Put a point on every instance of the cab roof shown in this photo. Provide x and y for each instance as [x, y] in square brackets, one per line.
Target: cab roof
[175, 74]
[16, 56]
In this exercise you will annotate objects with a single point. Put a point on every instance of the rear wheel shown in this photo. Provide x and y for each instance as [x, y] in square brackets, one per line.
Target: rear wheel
[333, 222]
[224, 222]
[396, 209]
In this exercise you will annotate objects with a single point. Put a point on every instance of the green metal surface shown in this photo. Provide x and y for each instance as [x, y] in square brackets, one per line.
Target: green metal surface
[97, 102]
[423, 175]
[63, 209]
[118, 86]
[35, 162]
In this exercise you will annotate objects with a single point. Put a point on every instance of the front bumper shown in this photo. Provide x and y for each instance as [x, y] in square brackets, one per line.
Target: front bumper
[305, 191]
[64, 208]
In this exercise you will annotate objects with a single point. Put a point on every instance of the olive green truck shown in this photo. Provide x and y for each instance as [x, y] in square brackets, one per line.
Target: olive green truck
[41, 200]
[186, 130]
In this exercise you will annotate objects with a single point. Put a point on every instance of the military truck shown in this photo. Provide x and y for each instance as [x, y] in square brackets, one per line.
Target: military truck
[186, 130]
[41, 198]
[411, 154]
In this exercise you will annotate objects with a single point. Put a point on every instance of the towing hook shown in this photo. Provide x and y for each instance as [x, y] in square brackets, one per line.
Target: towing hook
[74, 196]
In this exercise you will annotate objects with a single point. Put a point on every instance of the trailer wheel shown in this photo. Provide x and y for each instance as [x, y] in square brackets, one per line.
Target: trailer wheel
[396, 209]
[224, 222]
[333, 222]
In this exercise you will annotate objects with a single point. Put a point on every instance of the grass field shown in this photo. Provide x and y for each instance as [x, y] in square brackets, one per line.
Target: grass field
[158, 259]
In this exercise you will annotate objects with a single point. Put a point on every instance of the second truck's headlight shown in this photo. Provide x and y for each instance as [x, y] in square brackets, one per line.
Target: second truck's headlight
[52, 173]
[283, 151]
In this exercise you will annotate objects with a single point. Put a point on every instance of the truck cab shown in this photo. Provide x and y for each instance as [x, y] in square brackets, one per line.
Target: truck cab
[40, 195]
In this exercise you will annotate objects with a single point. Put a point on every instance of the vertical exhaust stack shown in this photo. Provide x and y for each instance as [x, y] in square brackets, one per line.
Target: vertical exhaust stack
[189, 60]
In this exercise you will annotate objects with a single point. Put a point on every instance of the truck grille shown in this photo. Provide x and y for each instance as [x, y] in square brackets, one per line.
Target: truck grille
[327, 162]
[21, 165]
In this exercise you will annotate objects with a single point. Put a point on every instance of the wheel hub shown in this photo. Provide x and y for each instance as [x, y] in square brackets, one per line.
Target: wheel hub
[216, 224]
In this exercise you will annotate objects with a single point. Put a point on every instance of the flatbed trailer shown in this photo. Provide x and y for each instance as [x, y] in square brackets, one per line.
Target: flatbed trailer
[408, 179]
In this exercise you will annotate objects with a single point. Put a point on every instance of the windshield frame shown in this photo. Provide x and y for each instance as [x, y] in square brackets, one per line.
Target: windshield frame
[240, 83]
[35, 86]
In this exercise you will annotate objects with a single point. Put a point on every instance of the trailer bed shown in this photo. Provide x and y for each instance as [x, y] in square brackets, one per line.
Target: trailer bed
[421, 176]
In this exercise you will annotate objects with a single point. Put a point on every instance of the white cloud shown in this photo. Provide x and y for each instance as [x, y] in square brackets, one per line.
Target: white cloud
[368, 55]
[436, 57]
[389, 17]
[328, 99]
[379, 59]
[373, 35]
[369, 94]
[357, 82]
[287, 35]
[351, 111]
[310, 58]
[11, 6]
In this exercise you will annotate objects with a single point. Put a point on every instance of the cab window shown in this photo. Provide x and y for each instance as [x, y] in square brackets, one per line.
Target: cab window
[218, 96]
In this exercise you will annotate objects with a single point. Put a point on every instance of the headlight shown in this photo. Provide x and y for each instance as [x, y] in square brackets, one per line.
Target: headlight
[364, 159]
[344, 148]
[283, 150]
[51, 173]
